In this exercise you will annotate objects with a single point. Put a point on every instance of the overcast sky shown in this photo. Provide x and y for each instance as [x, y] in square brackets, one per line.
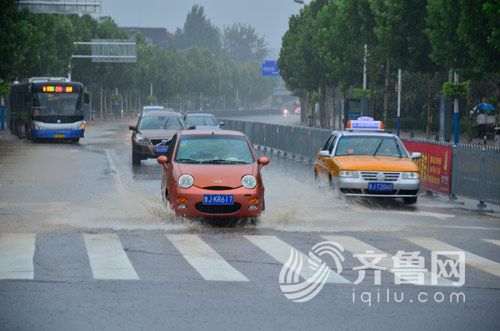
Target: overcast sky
[269, 17]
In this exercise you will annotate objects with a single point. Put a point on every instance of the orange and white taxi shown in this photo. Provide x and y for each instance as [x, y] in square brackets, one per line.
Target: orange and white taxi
[365, 161]
[213, 174]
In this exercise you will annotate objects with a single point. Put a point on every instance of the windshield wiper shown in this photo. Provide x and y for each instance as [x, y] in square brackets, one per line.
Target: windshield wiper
[188, 161]
[378, 147]
[222, 161]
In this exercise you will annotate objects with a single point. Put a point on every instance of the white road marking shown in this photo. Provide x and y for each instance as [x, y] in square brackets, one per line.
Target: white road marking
[16, 255]
[363, 209]
[468, 227]
[471, 259]
[114, 171]
[356, 246]
[204, 259]
[107, 258]
[280, 251]
[492, 241]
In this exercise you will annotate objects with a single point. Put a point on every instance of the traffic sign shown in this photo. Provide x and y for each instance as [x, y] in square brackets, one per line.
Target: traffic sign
[270, 69]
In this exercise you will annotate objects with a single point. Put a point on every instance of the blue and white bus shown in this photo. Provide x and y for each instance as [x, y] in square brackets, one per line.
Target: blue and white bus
[47, 108]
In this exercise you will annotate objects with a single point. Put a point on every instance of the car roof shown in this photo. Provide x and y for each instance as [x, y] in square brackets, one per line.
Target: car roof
[153, 107]
[160, 113]
[211, 133]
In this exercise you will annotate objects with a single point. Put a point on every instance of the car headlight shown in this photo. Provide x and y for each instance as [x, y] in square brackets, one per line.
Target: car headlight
[82, 125]
[249, 181]
[349, 174]
[411, 175]
[186, 181]
[140, 139]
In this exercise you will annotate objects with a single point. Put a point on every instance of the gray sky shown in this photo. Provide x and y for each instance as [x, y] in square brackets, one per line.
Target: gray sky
[269, 17]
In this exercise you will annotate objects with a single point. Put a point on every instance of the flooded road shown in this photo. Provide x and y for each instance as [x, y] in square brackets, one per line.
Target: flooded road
[82, 230]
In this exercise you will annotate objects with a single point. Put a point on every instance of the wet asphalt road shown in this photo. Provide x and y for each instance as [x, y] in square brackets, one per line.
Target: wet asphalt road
[98, 250]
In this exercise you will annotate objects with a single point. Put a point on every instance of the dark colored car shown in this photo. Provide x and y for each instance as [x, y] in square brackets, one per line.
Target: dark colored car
[152, 135]
[202, 121]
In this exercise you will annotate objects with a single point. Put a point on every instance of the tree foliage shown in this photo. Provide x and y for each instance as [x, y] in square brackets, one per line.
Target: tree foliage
[195, 74]
[325, 42]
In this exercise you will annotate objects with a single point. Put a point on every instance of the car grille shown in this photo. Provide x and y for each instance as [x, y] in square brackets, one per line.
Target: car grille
[393, 192]
[158, 141]
[218, 188]
[371, 176]
[218, 209]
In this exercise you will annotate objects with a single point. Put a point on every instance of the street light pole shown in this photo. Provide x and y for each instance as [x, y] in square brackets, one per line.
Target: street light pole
[364, 101]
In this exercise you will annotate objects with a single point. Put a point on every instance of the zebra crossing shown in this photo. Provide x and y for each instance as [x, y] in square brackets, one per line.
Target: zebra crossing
[108, 259]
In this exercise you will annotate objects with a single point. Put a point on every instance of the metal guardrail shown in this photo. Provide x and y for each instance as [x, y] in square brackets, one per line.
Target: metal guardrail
[475, 168]
[476, 173]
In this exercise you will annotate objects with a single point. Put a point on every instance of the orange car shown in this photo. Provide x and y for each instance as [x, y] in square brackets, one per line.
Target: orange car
[213, 174]
[369, 163]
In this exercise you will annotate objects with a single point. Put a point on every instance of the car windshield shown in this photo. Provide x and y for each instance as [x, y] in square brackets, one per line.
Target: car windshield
[161, 122]
[214, 150]
[370, 145]
[201, 120]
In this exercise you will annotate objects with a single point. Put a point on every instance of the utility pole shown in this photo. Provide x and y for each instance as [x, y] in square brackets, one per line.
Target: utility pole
[398, 120]
[456, 118]
[364, 101]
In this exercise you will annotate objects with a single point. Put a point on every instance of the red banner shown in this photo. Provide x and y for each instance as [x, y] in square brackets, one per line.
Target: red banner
[435, 165]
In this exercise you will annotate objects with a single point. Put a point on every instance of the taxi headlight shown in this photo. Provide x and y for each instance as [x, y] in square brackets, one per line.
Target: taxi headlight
[411, 175]
[349, 174]
[186, 181]
[249, 181]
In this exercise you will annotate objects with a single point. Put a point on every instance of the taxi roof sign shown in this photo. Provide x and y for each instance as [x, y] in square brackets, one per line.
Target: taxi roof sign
[365, 123]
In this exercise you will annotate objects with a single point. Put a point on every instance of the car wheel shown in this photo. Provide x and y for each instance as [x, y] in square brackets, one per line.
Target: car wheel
[330, 182]
[410, 201]
[136, 159]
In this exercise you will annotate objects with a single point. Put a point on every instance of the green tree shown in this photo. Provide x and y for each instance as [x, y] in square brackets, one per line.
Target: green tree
[198, 31]
[242, 44]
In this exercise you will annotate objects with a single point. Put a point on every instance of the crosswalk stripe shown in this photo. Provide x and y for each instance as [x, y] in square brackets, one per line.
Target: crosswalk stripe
[107, 258]
[280, 251]
[357, 246]
[16, 255]
[204, 259]
[471, 259]
[492, 241]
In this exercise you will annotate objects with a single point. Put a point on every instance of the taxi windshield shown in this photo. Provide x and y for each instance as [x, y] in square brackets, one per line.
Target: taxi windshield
[370, 145]
[214, 150]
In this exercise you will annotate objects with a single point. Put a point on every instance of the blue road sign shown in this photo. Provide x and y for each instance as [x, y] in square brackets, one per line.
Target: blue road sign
[270, 69]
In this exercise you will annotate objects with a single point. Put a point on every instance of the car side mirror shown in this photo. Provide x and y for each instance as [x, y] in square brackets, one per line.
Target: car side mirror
[162, 160]
[222, 124]
[324, 153]
[132, 128]
[192, 127]
[416, 155]
[263, 161]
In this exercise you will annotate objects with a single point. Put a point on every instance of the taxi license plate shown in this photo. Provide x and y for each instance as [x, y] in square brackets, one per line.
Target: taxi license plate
[161, 149]
[58, 135]
[218, 199]
[380, 187]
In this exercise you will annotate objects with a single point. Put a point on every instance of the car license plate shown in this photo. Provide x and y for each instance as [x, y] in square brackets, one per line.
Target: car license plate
[380, 187]
[161, 149]
[58, 135]
[218, 199]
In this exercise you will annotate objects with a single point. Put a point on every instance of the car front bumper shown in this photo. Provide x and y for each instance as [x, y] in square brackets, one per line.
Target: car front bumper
[57, 134]
[402, 188]
[189, 203]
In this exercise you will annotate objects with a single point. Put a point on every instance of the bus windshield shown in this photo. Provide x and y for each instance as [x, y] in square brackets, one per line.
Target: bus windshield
[60, 104]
